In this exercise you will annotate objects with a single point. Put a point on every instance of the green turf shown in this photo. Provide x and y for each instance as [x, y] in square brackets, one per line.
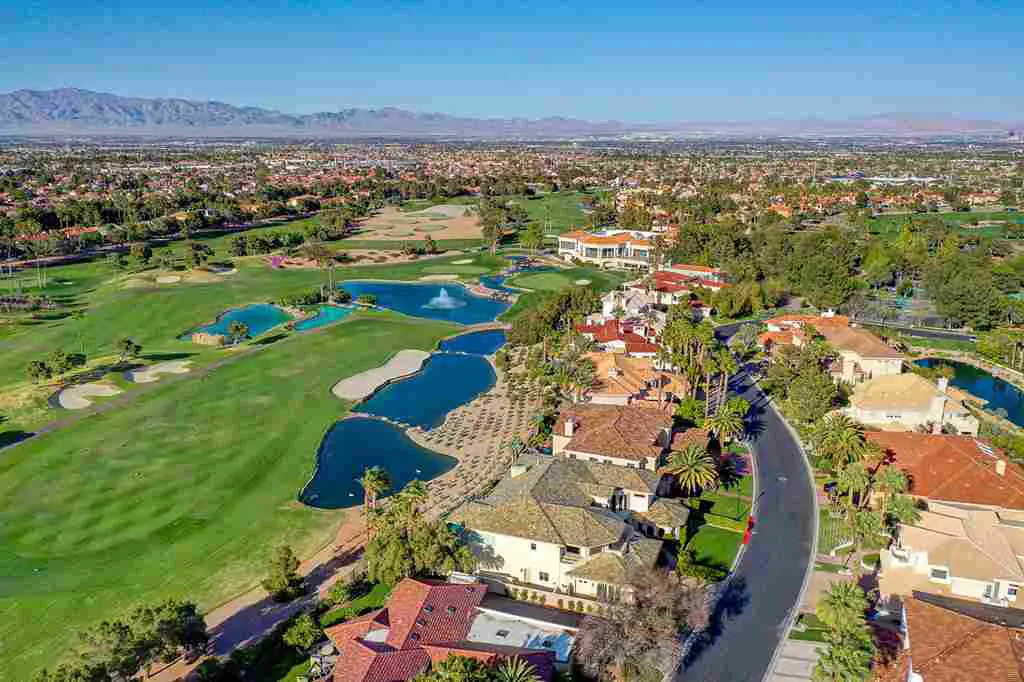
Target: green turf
[561, 210]
[809, 628]
[374, 599]
[715, 545]
[182, 491]
[556, 280]
[889, 226]
[831, 532]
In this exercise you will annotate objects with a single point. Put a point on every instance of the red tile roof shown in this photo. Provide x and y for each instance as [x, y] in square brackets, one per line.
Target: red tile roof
[623, 432]
[424, 619]
[946, 646]
[953, 468]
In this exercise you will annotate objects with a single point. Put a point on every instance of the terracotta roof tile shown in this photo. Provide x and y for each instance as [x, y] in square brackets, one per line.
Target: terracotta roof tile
[624, 432]
[953, 468]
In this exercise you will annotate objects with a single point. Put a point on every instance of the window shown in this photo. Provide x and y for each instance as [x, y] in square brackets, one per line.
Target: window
[451, 610]
[544, 577]
[631, 466]
[502, 633]
[1011, 591]
[533, 546]
[547, 644]
[428, 609]
[420, 622]
[939, 574]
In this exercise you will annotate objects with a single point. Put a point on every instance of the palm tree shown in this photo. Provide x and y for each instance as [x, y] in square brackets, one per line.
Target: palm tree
[853, 478]
[862, 526]
[725, 425]
[842, 605]
[694, 468]
[727, 366]
[515, 669]
[839, 440]
[903, 509]
[375, 480]
[888, 481]
[237, 331]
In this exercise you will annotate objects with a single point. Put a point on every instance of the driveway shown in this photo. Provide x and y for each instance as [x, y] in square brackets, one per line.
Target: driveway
[753, 612]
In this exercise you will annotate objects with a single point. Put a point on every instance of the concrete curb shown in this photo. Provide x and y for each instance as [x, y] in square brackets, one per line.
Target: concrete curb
[814, 544]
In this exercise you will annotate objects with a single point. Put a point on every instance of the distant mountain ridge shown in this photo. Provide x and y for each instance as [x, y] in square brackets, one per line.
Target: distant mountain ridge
[77, 111]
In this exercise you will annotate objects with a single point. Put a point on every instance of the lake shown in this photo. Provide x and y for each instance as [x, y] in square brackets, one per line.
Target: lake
[326, 315]
[258, 317]
[450, 302]
[1000, 394]
[339, 464]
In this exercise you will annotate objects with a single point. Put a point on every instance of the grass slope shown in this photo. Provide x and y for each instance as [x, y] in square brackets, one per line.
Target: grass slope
[181, 491]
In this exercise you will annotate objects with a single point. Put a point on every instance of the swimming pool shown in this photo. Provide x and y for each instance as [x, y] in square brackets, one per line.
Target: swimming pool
[451, 302]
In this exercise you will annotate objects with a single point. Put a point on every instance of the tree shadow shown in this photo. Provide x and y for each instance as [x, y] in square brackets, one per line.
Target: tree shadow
[163, 357]
[14, 436]
[268, 340]
[733, 597]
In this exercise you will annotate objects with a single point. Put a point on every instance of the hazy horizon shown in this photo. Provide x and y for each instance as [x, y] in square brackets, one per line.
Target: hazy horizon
[641, 63]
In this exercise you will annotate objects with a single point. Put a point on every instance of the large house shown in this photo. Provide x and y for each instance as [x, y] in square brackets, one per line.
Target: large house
[862, 355]
[628, 436]
[960, 550]
[623, 380]
[620, 249]
[620, 337]
[568, 526]
[908, 402]
[957, 469]
[425, 621]
[946, 640]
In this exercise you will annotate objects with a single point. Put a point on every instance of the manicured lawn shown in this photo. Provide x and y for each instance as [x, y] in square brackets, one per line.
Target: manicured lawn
[182, 491]
[556, 280]
[715, 545]
[561, 210]
[831, 532]
[889, 226]
[808, 628]
[374, 599]
[119, 304]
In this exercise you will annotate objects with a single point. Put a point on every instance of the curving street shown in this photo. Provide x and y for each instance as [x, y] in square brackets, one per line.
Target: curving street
[754, 607]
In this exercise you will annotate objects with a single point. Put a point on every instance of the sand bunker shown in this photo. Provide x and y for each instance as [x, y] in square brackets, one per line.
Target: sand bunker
[447, 210]
[404, 363]
[438, 278]
[463, 261]
[147, 375]
[582, 282]
[77, 397]
[168, 279]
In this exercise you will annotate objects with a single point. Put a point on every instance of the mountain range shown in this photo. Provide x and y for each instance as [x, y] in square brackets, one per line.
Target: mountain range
[68, 111]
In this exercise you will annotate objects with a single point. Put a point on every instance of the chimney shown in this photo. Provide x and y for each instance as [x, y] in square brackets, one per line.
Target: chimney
[1001, 467]
[570, 426]
[937, 428]
[943, 384]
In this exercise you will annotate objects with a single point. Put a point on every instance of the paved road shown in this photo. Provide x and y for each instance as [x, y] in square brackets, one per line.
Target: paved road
[754, 609]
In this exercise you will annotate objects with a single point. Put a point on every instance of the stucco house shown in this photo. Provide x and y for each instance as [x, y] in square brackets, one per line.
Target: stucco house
[566, 526]
[625, 380]
[620, 249]
[861, 354]
[959, 550]
[908, 402]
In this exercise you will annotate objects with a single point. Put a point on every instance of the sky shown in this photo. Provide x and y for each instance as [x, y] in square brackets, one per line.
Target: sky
[627, 60]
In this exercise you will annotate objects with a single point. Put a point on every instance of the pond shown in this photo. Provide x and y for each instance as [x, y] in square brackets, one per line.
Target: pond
[447, 381]
[1001, 395]
[451, 302]
[258, 317]
[326, 315]
[339, 465]
[476, 343]
[423, 399]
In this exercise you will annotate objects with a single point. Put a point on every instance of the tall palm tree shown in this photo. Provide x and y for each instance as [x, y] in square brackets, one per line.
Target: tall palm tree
[888, 481]
[839, 440]
[853, 478]
[375, 480]
[727, 366]
[694, 468]
[842, 605]
[515, 669]
[903, 509]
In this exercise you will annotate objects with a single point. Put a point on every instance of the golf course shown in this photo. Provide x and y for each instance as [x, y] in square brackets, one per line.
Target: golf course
[182, 485]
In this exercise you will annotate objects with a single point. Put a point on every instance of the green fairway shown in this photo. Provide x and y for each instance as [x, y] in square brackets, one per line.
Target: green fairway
[557, 212]
[555, 280]
[889, 226]
[182, 491]
[119, 304]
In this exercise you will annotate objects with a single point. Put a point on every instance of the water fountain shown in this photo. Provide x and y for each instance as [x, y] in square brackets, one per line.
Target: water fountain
[444, 301]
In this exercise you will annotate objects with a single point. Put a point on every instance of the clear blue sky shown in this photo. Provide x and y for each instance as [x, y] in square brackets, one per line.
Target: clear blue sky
[628, 60]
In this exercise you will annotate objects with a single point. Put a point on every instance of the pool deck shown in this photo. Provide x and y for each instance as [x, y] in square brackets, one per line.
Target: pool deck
[404, 363]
